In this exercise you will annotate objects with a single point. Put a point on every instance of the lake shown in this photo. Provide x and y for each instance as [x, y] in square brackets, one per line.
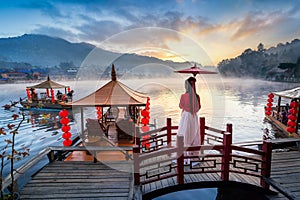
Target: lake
[237, 101]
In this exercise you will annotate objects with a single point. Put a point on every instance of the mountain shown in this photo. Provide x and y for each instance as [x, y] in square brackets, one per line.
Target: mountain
[265, 63]
[56, 54]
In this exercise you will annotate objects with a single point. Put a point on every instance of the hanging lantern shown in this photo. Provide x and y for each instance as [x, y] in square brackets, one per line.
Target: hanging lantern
[28, 93]
[269, 104]
[145, 128]
[99, 112]
[291, 123]
[69, 89]
[291, 129]
[65, 128]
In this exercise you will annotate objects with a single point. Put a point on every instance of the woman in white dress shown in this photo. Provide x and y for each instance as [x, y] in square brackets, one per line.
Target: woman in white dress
[189, 123]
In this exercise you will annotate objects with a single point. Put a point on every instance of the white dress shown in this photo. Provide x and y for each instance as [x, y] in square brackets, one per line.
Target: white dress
[189, 128]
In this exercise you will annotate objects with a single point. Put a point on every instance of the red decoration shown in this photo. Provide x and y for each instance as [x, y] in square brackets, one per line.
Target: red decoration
[292, 117]
[145, 121]
[99, 112]
[291, 123]
[65, 128]
[146, 143]
[291, 129]
[47, 92]
[269, 109]
[28, 93]
[64, 120]
[67, 142]
[63, 113]
[66, 135]
[269, 104]
[145, 128]
[69, 89]
[268, 113]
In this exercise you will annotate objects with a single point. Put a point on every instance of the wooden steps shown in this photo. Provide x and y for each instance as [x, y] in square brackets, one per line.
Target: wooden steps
[81, 180]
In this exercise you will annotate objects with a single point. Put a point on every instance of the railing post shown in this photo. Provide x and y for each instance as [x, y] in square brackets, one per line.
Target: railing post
[169, 132]
[180, 154]
[226, 156]
[266, 163]
[137, 136]
[136, 164]
[202, 130]
[51, 156]
[229, 130]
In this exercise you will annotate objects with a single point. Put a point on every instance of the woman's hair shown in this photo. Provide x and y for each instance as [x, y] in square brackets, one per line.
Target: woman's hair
[194, 97]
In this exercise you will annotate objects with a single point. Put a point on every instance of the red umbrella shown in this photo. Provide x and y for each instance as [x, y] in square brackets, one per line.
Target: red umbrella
[195, 70]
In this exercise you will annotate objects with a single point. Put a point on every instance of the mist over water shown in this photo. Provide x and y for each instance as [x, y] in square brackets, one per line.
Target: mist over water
[237, 101]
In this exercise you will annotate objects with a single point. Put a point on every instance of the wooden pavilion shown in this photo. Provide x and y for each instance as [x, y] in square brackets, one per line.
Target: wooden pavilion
[118, 106]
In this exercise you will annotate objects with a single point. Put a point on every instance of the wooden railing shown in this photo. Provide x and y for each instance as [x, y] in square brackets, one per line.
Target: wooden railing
[58, 153]
[163, 160]
[166, 136]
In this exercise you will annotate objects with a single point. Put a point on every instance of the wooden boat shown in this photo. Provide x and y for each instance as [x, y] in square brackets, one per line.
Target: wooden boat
[286, 113]
[46, 98]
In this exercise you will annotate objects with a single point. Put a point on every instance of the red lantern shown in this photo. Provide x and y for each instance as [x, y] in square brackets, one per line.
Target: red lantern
[64, 121]
[65, 128]
[146, 142]
[291, 123]
[145, 128]
[294, 104]
[67, 142]
[145, 121]
[271, 95]
[69, 89]
[63, 113]
[268, 113]
[270, 100]
[292, 117]
[269, 104]
[293, 111]
[290, 129]
[145, 113]
[269, 109]
[66, 135]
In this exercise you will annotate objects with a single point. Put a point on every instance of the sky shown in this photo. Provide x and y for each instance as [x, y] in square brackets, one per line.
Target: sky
[205, 31]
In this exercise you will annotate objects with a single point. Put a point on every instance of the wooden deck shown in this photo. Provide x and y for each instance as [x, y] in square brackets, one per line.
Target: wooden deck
[81, 180]
[114, 180]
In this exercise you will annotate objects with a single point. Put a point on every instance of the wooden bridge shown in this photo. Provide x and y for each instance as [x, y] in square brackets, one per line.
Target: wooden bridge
[161, 164]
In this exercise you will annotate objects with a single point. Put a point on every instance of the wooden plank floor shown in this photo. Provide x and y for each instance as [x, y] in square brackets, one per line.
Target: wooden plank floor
[286, 172]
[81, 180]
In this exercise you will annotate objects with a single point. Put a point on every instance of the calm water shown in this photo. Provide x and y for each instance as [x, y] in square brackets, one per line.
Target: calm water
[235, 101]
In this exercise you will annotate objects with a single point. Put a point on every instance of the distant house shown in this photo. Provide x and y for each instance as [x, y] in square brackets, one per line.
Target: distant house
[15, 76]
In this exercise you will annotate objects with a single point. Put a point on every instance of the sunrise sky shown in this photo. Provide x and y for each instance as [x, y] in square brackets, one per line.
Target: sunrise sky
[205, 31]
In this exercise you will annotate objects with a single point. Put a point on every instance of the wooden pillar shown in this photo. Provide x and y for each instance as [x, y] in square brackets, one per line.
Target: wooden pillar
[136, 164]
[266, 163]
[226, 156]
[169, 132]
[82, 120]
[137, 136]
[51, 156]
[202, 130]
[180, 159]
[229, 130]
